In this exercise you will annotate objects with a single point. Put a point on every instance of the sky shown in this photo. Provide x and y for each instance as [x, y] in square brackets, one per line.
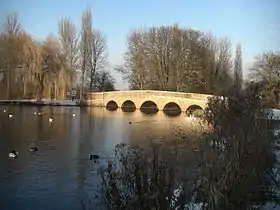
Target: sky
[253, 23]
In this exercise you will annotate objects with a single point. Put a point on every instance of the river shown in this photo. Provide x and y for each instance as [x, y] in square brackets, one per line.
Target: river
[60, 175]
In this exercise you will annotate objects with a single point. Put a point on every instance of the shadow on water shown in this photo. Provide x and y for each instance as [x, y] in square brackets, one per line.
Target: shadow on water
[112, 106]
[128, 106]
[149, 107]
[172, 109]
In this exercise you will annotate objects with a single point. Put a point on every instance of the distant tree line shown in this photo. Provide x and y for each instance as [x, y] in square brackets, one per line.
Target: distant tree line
[42, 69]
[182, 59]
[168, 58]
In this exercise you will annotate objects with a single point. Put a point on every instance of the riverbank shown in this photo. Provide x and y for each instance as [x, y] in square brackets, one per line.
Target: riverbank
[44, 102]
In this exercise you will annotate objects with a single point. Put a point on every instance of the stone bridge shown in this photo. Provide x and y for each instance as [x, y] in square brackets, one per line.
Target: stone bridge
[162, 100]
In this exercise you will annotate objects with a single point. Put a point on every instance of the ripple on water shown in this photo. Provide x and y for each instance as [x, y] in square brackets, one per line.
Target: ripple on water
[59, 175]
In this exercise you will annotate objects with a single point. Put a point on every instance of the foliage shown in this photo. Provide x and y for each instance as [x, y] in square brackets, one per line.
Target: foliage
[47, 69]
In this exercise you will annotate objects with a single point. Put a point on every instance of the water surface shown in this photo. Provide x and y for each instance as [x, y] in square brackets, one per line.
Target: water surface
[59, 175]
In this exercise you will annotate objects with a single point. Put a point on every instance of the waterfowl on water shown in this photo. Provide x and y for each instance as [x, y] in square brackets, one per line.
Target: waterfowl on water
[4, 110]
[33, 149]
[50, 119]
[13, 154]
[93, 157]
[10, 115]
[74, 115]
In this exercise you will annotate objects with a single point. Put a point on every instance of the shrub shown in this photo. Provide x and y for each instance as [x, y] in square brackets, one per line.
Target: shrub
[238, 171]
[137, 181]
[236, 168]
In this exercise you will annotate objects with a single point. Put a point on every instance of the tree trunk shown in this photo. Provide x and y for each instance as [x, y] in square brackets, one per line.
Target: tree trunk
[41, 88]
[8, 80]
[82, 87]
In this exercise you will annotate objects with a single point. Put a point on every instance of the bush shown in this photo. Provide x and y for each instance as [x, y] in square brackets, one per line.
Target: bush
[236, 169]
[136, 181]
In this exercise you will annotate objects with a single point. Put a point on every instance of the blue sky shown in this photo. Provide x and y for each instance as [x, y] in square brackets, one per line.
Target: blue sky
[253, 23]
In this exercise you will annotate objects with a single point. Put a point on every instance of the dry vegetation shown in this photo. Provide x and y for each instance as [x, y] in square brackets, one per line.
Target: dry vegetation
[237, 167]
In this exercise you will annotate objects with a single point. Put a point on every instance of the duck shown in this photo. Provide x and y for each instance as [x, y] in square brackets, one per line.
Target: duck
[93, 157]
[50, 119]
[74, 115]
[13, 154]
[35, 113]
[33, 149]
[10, 115]
[4, 110]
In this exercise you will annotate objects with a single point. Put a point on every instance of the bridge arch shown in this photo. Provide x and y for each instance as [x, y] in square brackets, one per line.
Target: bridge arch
[172, 109]
[112, 105]
[149, 107]
[128, 106]
[193, 109]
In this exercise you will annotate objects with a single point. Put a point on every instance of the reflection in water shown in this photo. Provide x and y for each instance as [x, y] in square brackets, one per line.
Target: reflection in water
[59, 175]
[172, 109]
[149, 107]
[112, 105]
[128, 106]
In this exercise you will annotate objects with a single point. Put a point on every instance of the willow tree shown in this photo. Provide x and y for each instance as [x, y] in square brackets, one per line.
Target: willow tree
[11, 29]
[30, 60]
[54, 76]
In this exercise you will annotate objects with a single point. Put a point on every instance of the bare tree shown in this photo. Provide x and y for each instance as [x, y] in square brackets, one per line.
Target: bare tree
[69, 43]
[266, 70]
[134, 70]
[103, 81]
[12, 25]
[172, 58]
[238, 74]
[223, 67]
[85, 46]
[98, 55]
